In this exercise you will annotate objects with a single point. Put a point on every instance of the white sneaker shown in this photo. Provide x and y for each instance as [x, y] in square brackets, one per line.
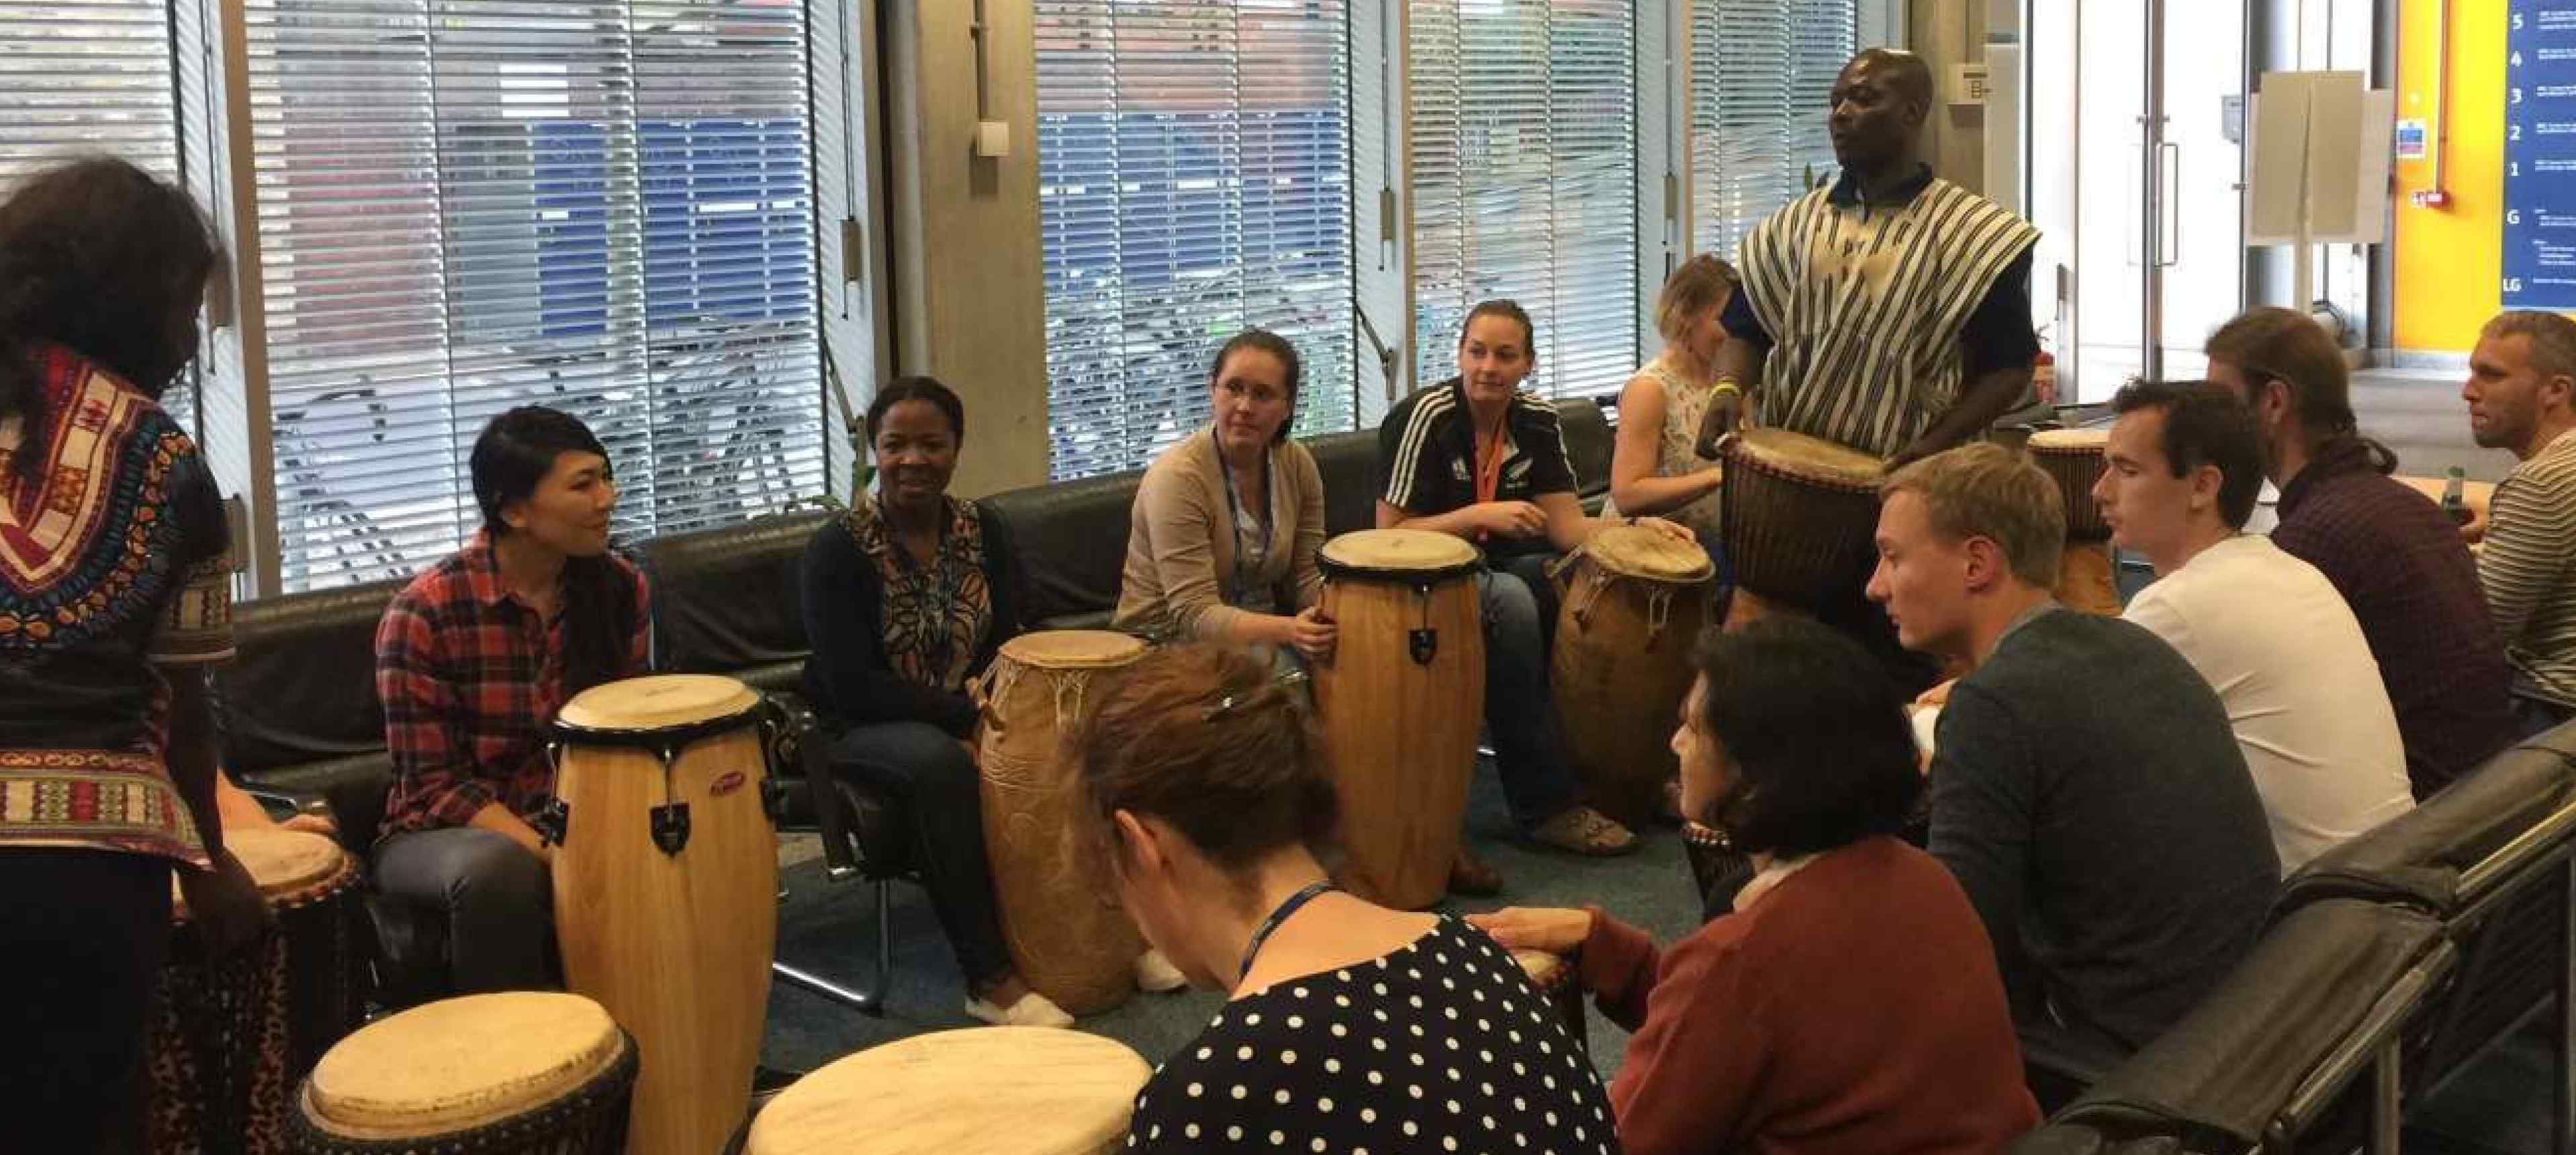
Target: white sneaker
[1155, 974]
[1033, 1010]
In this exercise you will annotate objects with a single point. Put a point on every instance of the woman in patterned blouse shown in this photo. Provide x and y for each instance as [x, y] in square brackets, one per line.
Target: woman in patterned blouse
[906, 597]
[113, 601]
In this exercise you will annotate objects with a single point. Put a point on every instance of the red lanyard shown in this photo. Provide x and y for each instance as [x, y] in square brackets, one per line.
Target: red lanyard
[1489, 467]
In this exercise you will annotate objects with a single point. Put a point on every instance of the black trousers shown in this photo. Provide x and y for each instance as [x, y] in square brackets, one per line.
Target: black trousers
[82, 937]
[934, 784]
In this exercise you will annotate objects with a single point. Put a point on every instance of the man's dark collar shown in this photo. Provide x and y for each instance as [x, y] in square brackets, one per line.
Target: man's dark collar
[2338, 456]
[1846, 191]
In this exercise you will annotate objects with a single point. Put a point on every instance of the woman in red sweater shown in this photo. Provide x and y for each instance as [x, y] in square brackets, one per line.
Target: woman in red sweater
[1850, 1002]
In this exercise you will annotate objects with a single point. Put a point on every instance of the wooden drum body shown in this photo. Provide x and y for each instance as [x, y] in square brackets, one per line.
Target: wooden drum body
[2075, 459]
[1800, 515]
[1636, 602]
[231, 1037]
[984, 1091]
[1401, 703]
[666, 892]
[1068, 936]
[522, 1073]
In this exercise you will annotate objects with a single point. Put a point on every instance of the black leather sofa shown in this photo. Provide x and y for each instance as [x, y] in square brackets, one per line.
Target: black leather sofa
[299, 702]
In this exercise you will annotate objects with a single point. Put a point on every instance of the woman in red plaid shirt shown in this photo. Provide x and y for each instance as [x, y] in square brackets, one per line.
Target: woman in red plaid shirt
[472, 660]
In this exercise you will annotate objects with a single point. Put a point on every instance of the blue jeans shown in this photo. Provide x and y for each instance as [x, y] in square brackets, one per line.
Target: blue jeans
[2534, 715]
[1520, 710]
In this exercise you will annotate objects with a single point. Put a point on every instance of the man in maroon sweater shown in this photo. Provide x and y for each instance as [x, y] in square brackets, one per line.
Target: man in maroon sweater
[2393, 555]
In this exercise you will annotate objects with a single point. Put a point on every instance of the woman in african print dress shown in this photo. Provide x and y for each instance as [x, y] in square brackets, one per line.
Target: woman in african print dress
[113, 601]
[907, 597]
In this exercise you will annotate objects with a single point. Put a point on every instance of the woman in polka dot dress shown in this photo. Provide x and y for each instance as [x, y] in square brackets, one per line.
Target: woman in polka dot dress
[1352, 1027]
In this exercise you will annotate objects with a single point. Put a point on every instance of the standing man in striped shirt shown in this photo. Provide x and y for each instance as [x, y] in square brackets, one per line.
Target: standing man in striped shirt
[1889, 312]
[2522, 396]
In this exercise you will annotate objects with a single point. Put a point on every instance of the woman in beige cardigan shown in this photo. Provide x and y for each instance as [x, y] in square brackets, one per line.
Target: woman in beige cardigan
[1227, 523]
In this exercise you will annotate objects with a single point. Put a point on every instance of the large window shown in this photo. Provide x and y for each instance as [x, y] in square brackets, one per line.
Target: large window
[1524, 167]
[83, 77]
[603, 207]
[1194, 179]
[1760, 74]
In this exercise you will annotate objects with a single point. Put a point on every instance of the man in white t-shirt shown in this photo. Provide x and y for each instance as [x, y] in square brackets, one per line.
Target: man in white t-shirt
[2268, 630]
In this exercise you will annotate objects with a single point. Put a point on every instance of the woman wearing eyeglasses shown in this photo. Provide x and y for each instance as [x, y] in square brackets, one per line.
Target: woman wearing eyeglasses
[1222, 542]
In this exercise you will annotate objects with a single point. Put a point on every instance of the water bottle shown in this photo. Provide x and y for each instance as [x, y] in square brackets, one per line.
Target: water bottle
[2454, 502]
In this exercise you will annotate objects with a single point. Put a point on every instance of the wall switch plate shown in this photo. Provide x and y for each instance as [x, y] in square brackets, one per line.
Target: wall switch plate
[992, 138]
[1968, 84]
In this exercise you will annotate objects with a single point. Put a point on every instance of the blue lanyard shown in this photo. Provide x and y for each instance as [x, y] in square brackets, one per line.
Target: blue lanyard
[1236, 583]
[1252, 949]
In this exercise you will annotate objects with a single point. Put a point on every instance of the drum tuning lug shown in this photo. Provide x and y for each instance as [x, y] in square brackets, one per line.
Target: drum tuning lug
[552, 820]
[1425, 644]
[671, 827]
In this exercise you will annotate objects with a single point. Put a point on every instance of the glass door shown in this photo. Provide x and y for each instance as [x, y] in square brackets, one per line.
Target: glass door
[2135, 177]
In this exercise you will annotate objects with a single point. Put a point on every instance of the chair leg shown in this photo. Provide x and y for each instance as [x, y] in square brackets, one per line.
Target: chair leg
[869, 1001]
[2562, 1089]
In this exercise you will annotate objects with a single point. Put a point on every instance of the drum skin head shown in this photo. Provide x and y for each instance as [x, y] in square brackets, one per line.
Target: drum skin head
[985, 1089]
[1398, 551]
[2090, 439]
[1542, 966]
[460, 1063]
[1074, 649]
[1636, 551]
[282, 862]
[657, 701]
[1798, 453]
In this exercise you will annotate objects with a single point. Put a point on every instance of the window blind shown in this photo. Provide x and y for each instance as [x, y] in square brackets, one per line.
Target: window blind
[466, 206]
[1194, 180]
[1524, 168]
[1761, 71]
[88, 77]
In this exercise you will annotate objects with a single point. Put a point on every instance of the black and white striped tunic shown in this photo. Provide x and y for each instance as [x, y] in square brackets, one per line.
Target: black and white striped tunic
[1865, 306]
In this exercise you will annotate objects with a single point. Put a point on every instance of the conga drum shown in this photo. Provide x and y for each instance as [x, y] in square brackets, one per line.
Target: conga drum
[666, 891]
[1799, 516]
[982, 1091]
[1068, 936]
[231, 1036]
[1554, 977]
[1635, 602]
[1401, 702]
[2074, 458]
[521, 1073]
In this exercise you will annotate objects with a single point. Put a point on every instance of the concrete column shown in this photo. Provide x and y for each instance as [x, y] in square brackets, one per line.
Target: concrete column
[968, 294]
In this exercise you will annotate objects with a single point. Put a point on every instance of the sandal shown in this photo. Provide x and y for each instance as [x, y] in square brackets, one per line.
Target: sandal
[1583, 830]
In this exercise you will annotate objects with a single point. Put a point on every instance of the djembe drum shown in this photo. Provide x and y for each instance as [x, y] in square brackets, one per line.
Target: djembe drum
[666, 891]
[1067, 934]
[521, 1073]
[982, 1091]
[1554, 977]
[1635, 601]
[1717, 868]
[1798, 516]
[1400, 703]
[231, 1036]
[2076, 460]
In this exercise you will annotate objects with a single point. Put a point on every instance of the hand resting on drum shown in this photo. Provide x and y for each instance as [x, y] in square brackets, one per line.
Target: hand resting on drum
[225, 903]
[1556, 931]
[1313, 634]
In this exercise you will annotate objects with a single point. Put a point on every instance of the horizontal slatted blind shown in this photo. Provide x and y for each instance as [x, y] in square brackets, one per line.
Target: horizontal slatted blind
[84, 77]
[466, 206]
[1194, 180]
[1524, 168]
[1761, 71]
